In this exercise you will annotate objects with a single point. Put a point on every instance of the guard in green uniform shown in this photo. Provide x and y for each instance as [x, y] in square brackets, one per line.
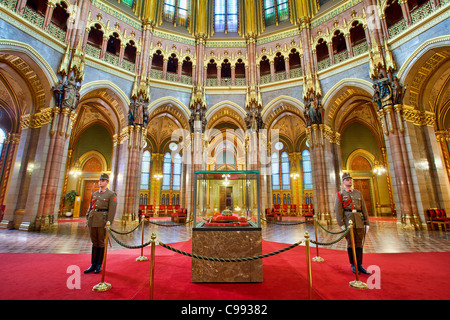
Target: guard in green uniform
[102, 209]
[350, 205]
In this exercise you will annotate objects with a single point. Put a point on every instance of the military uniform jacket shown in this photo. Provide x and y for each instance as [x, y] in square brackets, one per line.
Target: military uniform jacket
[103, 208]
[345, 203]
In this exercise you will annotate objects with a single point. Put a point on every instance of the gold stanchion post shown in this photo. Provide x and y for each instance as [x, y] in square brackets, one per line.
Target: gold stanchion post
[152, 266]
[142, 257]
[317, 258]
[104, 286]
[355, 283]
[308, 266]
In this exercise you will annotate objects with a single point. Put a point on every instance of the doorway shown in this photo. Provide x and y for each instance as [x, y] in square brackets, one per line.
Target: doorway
[363, 185]
[225, 198]
[90, 186]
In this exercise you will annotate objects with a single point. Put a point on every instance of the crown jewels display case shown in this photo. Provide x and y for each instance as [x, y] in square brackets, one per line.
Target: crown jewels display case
[226, 225]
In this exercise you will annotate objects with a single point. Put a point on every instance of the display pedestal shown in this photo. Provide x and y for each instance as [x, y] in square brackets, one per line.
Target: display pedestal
[227, 243]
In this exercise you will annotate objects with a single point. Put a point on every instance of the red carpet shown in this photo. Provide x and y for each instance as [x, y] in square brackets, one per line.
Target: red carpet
[406, 276]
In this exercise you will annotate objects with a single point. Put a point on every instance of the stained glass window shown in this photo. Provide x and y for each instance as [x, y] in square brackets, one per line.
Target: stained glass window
[128, 2]
[2, 139]
[167, 171]
[176, 172]
[275, 172]
[225, 16]
[176, 12]
[145, 172]
[307, 172]
[275, 11]
[285, 171]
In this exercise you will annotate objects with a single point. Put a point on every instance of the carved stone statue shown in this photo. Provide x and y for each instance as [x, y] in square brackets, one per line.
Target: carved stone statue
[398, 91]
[71, 94]
[376, 97]
[59, 93]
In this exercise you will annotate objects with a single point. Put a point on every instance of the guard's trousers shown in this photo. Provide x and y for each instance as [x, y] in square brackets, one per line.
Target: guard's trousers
[359, 234]
[97, 235]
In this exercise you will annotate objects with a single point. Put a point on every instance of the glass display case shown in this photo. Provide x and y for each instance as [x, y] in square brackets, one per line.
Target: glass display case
[227, 199]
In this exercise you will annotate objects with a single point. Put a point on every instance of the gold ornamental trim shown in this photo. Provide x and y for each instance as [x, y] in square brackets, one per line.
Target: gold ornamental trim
[38, 119]
[417, 117]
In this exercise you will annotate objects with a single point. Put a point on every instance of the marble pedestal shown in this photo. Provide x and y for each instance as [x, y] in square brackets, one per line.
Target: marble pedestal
[229, 243]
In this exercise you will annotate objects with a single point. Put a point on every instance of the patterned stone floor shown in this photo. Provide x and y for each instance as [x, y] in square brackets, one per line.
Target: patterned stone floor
[72, 237]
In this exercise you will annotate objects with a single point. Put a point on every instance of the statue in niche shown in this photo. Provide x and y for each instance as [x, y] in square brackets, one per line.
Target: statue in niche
[384, 89]
[59, 93]
[313, 110]
[71, 94]
[398, 91]
[376, 97]
[131, 115]
[139, 112]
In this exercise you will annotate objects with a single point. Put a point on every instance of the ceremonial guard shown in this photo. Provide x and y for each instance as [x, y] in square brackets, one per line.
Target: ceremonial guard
[350, 205]
[102, 209]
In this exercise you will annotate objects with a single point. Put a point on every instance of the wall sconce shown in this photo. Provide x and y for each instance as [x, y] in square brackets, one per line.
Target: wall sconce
[75, 172]
[158, 176]
[295, 176]
[378, 169]
[30, 167]
[226, 176]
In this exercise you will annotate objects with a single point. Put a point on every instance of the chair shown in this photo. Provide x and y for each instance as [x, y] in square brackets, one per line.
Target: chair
[142, 210]
[180, 215]
[270, 216]
[293, 209]
[284, 210]
[169, 210]
[438, 217]
[150, 210]
[162, 210]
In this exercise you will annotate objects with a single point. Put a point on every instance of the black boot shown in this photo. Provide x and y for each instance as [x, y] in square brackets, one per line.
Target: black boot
[93, 260]
[98, 265]
[359, 257]
[350, 258]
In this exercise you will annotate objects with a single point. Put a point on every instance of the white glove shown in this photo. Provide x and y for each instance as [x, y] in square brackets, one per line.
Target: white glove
[367, 228]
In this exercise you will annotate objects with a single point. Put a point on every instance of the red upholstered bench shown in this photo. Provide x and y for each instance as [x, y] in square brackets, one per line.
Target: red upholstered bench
[438, 217]
[270, 216]
[180, 215]
[309, 215]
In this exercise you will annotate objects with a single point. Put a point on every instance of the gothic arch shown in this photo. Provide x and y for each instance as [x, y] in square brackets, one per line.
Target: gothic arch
[279, 105]
[108, 100]
[172, 106]
[36, 73]
[344, 96]
[425, 73]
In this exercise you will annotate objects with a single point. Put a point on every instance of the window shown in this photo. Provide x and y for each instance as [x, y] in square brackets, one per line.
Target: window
[285, 171]
[275, 11]
[129, 3]
[167, 171]
[171, 172]
[176, 12]
[225, 16]
[145, 173]
[307, 172]
[176, 172]
[2, 139]
[275, 172]
[280, 171]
